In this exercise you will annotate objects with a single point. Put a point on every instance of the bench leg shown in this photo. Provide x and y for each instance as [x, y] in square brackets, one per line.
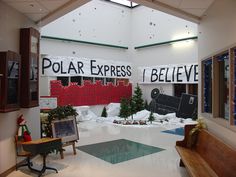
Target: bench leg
[181, 164]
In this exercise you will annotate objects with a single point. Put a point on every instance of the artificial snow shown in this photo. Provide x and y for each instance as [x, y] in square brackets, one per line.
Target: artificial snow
[168, 121]
[113, 109]
[84, 113]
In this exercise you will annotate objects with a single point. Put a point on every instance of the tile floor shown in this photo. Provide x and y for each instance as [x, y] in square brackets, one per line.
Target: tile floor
[162, 163]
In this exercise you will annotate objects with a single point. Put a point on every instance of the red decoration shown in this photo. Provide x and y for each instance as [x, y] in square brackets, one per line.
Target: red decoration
[89, 93]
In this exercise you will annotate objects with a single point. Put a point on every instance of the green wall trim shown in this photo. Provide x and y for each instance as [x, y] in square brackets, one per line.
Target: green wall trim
[166, 42]
[84, 42]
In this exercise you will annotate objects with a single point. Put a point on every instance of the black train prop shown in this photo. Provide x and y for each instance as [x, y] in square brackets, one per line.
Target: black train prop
[184, 107]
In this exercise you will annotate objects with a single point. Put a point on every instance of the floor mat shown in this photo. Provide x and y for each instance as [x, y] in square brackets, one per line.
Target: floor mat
[119, 150]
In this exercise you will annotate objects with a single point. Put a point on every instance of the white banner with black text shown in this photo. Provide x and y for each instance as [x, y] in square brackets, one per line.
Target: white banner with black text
[74, 66]
[178, 73]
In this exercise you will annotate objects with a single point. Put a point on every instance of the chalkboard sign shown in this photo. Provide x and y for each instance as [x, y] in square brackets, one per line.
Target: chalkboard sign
[48, 102]
[66, 129]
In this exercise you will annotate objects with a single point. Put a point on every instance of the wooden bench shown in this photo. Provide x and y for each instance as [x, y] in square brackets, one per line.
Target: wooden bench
[210, 157]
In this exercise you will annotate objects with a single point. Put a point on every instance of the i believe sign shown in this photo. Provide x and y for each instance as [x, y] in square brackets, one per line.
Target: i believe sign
[179, 73]
[73, 66]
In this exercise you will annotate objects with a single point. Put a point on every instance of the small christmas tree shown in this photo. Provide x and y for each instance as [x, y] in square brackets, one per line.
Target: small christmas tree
[132, 108]
[124, 108]
[146, 105]
[104, 112]
[137, 99]
[151, 117]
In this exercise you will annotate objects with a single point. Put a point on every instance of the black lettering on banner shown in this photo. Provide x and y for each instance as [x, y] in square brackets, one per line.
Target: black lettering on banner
[173, 74]
[166, 79]
[128, 70]
[195, 73]
[92, 67]
[44, 66]
[80, 67]
[118, 71]
[56, 67]
[154, 76]
[161, 74]
[113, 70]
[179, 73]
[100, 69]
[62, 72]
[144, 75]
[123, 73]
[106, 68]
[188, 72]
[71, 67]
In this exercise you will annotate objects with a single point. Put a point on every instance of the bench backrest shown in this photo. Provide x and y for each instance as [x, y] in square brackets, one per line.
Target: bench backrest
[220, 157]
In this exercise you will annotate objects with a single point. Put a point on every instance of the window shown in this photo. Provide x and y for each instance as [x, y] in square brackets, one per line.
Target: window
[222, 68]
[179, 89]
[88, 79]
[124, 3]
[193, 89]
[100, 79]
[218, 87]
[64, 80]
[207, 86]
[77, 79]
[111, 80]
[234, 87]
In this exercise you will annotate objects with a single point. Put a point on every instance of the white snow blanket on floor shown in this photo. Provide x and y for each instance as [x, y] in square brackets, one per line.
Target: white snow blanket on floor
[168, 121]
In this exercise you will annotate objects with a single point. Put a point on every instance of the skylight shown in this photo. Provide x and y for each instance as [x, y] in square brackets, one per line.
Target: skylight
[124, 3]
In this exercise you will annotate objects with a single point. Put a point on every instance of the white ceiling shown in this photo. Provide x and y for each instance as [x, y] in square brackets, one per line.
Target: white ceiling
[194, 7]
[45, 11]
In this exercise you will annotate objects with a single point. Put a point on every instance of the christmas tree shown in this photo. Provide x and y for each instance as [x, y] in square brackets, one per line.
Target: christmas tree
[137, 99]
[124, 108]
[132, 107]
[104, 112]
[151, 117]
[146, 105]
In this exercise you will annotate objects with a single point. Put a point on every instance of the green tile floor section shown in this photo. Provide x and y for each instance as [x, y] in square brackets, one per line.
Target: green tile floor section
[119, 150]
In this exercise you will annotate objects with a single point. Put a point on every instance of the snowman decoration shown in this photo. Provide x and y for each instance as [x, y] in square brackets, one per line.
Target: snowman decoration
[23, 132]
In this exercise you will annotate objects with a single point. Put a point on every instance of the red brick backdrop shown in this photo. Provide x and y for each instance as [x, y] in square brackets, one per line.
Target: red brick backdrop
[89, 94]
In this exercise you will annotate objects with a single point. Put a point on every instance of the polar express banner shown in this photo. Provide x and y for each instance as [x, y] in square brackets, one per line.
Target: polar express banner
[179, 73]
[74, 66]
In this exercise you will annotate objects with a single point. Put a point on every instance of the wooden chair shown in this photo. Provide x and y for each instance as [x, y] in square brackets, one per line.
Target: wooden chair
[21, 153]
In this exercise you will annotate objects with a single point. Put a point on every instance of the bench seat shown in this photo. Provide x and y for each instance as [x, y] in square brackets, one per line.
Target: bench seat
[209, 157]
[194, 163]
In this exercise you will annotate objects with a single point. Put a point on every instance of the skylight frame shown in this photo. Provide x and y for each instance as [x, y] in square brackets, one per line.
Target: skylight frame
[124, 3]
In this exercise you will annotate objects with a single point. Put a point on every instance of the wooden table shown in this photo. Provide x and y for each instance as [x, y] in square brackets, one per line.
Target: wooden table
[43, 147]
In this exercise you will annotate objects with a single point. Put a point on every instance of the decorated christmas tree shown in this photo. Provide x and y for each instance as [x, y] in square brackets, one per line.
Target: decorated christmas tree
[137, 99]
[124, 108]
[104, 112]
[151, 117]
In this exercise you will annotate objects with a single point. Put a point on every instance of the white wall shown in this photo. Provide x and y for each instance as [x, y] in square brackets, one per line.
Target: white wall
[217, 31]
[11, 21]
[118, 25]
[97, 21]
[150, 26]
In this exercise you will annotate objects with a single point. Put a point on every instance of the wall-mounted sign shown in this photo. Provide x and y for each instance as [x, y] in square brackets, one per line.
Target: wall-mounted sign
[47, 102]
[179, 73]
[73, 66]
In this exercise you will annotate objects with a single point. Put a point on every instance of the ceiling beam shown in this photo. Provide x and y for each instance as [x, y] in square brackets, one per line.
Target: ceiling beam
[157, 5]
[62, 10]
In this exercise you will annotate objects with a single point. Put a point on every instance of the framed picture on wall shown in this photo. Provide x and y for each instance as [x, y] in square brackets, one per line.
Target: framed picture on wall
[66, 129]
